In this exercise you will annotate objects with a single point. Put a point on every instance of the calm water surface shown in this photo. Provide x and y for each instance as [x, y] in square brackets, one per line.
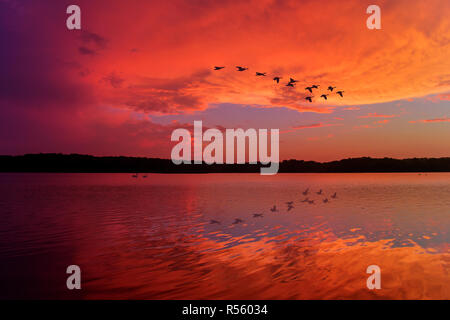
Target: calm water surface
[152, 238]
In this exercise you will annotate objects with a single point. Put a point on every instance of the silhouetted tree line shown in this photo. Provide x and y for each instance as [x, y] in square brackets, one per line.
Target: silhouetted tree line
[87, 163]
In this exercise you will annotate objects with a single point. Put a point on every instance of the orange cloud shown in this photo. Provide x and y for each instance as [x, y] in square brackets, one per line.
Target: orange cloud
[447, 119]
[376, 115]
[161, 46]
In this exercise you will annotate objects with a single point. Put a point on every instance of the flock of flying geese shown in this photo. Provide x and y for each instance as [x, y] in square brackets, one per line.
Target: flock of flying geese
[290, 206]
[292, 83]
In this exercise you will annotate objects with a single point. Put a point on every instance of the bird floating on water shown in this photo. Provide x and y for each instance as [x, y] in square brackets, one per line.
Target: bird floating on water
[305, 192]
[241, 68]
[258, 215]
[334, 196]
[325, 200]
[236, 221]
[261, 74]
[305, 200]
[274, 208]
[214, 222]
[319, 192]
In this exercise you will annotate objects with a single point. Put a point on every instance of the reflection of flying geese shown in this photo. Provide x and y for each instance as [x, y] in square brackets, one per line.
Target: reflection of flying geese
[135, 175]
[241, 68]
[258, 215]
[290, 206]
[325, 200]
[311, 202]
[331, 88]
[274, 208]
[309, 89]
[277, 79]
[334, 196]
[236, 221]
[324, 96]
[305, 200]
[315, 86]
[261, 74]
[319, 192]
[340, 93]
[144, 176]
[218, 68]
[290, 203]
[214, 222]
[309, 99]
[305, 192]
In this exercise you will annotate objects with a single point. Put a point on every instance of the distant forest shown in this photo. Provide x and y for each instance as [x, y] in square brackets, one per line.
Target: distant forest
[87, 163]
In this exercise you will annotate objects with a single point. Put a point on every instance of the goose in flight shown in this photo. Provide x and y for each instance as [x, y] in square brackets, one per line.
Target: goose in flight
[277, 79]
[324, 96]
[241, 68]
[258, 215]
[331, 88]
[261, 74]
[292, 80]
[218, 68]
[309, 99]
[315, 86]
[274, 208]
[309, 89]
[340, 93]
[290, 84]
[236, 221]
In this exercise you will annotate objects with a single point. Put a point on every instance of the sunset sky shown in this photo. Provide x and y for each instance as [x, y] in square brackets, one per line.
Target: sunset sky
[137, 70]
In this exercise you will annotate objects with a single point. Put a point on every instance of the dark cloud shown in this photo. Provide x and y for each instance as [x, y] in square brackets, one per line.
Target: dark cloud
[94, 39]
[86, 51]
[114, 80]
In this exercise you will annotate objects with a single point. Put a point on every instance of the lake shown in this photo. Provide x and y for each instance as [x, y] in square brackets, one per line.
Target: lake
[175, 236]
